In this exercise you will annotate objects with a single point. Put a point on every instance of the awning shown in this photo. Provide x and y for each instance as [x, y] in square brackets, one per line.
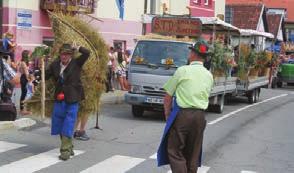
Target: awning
[250, 32]
[214, 23]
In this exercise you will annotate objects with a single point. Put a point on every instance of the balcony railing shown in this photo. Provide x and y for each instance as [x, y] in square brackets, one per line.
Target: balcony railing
[85, 6]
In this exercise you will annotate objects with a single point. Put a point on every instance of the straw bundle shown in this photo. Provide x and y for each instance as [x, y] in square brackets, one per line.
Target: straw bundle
[69, 29]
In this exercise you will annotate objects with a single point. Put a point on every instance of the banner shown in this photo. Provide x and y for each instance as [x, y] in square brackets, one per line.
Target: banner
[121, 8]
[176, 26]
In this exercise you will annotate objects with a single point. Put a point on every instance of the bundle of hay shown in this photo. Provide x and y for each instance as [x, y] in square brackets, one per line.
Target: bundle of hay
[71, 29]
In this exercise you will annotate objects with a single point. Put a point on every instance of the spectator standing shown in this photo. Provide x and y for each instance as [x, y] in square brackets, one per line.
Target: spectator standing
[121, 71]
[127, 59]
[30, 87]
[110, 71]
[8, 45]
[113, 58]
[24, 71]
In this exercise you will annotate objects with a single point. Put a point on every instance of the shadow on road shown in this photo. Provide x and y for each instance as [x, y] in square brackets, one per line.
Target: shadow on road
[123, 111]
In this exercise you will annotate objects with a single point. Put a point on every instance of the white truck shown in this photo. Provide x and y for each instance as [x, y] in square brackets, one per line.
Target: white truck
[148, 71]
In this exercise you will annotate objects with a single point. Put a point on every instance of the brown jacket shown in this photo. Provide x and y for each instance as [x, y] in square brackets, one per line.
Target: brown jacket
[71, 85]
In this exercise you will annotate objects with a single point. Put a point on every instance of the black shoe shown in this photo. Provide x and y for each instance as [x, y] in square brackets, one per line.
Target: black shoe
[76, 133]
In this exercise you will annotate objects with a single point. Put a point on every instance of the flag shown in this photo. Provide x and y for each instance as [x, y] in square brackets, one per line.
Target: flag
[121, 8]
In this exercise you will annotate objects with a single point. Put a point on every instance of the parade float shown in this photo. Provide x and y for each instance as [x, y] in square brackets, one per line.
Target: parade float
[158, 55]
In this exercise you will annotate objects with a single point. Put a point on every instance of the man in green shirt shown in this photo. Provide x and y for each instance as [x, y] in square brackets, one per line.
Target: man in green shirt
[191, 84]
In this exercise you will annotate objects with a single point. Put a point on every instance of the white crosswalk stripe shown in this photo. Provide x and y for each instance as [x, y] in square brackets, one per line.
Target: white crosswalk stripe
[35, 163]
[203, 169]
[115, 164]
[6, 146]
[154, 156]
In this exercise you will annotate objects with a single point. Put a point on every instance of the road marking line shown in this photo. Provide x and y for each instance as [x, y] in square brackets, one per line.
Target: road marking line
[248, 172]
[34, 163]
[241, 109]
[6, 146]
[114, 164]
[202, 169]
[154, 156]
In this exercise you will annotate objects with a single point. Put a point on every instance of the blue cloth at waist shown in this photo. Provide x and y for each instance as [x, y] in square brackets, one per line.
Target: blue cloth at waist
[162, 155]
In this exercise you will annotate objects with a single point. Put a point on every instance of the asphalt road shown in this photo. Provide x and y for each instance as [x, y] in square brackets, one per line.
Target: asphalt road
[253, 138]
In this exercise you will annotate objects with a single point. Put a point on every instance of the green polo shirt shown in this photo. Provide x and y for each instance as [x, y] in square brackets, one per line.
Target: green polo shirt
[192, 85]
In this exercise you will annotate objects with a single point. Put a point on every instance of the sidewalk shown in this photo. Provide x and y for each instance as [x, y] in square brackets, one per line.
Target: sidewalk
[116, 97]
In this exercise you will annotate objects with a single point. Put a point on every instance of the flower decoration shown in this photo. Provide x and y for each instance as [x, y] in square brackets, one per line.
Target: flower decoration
[139, 60]
[202, 48]
[169, 61]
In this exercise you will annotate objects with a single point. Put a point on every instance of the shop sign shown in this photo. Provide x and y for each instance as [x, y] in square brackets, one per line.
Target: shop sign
[176, 26]
[24, 19]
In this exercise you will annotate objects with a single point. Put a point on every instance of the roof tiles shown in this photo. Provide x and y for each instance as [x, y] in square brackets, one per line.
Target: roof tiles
[245, 16]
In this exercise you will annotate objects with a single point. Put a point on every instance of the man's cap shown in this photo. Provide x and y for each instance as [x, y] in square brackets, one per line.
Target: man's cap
[66, 49]
[200, 47]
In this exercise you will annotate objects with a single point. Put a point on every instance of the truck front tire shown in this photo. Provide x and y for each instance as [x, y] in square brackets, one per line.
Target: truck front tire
[137, 111]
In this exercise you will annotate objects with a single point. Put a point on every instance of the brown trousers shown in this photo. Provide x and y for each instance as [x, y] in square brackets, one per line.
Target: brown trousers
[185, 140]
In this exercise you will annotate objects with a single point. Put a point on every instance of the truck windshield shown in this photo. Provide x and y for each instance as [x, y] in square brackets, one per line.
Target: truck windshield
[158, 53]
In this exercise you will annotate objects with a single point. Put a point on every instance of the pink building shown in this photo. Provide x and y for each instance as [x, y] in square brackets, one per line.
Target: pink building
[199, 8]
[30, 25]
[203, 8]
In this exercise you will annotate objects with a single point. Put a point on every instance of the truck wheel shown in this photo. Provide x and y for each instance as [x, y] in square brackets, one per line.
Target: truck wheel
[220, 106]
[257, 93]
[274, 82]
[251, 96]
[279, 84]
[137, 111]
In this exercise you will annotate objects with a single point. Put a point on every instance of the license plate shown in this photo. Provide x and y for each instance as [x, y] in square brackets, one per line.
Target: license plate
[154, 100]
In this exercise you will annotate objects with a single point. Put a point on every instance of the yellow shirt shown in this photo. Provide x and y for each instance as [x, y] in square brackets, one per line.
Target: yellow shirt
[192, 85]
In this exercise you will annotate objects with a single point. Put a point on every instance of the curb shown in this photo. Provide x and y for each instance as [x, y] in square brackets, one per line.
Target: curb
[17, 124]
[113, 98]
[116, 97]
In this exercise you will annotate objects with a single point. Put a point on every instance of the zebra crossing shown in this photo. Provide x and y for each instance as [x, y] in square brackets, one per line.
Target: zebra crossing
[113, 164]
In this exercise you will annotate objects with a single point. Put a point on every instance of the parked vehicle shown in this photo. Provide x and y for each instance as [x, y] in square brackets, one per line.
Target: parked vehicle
[286, 72]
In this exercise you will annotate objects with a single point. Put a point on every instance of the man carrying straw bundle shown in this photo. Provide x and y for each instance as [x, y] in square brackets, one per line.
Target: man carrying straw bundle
[66, 73]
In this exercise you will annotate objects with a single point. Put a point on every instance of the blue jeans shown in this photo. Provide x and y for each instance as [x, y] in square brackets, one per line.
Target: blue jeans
[64, 117]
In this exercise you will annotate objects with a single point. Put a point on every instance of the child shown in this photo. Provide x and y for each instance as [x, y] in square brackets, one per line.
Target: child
[30, 87]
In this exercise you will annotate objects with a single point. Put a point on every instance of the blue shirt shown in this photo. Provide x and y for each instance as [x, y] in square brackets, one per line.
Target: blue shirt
[8, 73]
[5, 43]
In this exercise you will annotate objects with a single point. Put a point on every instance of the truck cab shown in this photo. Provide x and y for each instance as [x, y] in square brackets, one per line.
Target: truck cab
[153, 62]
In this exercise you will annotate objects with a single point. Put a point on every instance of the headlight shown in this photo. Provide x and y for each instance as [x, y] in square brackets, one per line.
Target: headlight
[136, 89]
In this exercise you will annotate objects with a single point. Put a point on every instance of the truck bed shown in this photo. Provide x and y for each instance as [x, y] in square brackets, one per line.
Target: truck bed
[223, 85]
[250, 84]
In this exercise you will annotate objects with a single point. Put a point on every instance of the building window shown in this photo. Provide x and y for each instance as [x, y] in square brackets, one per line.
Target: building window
[229, 15]
[206, 2]
[196, 1]
[152, 6]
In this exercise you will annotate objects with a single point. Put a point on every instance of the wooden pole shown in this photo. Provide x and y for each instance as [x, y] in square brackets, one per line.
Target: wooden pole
[43, 97]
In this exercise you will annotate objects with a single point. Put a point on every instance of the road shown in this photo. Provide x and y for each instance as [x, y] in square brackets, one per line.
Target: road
[244, 138]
